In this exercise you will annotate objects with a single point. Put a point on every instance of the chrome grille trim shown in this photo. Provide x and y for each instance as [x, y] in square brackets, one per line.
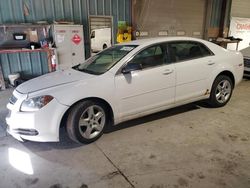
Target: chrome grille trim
[246, 62]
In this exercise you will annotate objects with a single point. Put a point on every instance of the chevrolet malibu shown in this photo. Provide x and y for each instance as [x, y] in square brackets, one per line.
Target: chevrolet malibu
[123, 82]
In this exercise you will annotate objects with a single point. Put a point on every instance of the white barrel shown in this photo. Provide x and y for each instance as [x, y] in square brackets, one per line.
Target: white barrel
[13, 77]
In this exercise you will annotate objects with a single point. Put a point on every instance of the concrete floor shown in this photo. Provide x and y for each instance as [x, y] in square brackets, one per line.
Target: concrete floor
[189, 146]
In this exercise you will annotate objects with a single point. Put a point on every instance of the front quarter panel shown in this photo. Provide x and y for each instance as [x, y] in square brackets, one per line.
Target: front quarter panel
[101, 86]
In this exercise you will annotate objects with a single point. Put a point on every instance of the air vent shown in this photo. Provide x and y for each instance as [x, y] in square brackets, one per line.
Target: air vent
[12, 99]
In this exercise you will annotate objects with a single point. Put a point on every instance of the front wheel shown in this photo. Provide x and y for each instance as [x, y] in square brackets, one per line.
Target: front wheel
[86, 121]
[221, 92]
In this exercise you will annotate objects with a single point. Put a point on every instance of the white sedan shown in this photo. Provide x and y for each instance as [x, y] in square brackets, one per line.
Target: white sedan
[123, 82]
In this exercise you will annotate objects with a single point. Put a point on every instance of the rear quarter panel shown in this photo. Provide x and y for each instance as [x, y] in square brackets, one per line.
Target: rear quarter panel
[226, 60]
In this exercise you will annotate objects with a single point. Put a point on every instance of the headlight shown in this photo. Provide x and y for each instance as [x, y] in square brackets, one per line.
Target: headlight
[34, 104]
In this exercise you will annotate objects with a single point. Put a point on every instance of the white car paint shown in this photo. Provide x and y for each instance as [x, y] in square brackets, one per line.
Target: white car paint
[144, 90]
[130, 95]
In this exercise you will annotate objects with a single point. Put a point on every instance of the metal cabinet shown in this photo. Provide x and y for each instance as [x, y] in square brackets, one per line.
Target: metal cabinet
[69, 43]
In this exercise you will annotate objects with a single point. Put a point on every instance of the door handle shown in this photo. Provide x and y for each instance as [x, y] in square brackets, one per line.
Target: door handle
[210, 63]
[168, 71]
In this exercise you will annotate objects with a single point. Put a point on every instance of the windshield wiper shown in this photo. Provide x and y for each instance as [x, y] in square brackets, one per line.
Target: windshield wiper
[76, 67]
[89, 71]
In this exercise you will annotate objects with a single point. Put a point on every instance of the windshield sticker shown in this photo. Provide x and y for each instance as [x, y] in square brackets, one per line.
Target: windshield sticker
[127, 48]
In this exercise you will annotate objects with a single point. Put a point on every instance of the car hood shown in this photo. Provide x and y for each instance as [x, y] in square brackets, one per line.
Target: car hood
[52, 80]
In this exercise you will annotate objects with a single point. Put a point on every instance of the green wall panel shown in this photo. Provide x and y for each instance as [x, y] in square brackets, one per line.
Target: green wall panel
[12, 11]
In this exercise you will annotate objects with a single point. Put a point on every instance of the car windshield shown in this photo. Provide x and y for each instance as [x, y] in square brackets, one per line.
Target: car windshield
[103, 61]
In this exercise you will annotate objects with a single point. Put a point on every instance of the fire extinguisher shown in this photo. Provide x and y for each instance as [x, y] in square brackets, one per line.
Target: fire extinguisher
[53, 62]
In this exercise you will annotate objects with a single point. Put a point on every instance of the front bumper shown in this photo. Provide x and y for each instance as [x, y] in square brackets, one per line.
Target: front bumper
[42, 125]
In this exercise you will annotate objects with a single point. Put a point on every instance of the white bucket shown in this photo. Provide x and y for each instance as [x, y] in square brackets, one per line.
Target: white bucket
[13, 77]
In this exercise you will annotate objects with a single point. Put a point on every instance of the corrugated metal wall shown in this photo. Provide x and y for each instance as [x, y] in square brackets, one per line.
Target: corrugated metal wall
[216, 13]
[216, 25]
[28, 64]
[12, 11]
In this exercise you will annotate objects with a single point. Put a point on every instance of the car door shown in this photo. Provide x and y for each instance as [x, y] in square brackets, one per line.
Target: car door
[149, 88]
[193, 64]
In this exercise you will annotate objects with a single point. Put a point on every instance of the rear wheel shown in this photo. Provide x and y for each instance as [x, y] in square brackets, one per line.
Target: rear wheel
[86, 121]
[221, 91]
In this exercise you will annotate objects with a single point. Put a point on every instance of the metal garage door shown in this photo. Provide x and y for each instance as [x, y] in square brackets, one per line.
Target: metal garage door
[100, 37]
[240, 8]
[174, 17]
[98, 22]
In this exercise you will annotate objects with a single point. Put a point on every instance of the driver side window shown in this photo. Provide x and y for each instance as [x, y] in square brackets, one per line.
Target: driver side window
[151, 57]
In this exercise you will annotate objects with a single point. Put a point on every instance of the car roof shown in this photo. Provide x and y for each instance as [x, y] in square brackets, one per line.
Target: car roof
[149, 41]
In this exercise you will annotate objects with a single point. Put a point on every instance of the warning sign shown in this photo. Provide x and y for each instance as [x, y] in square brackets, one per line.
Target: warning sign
[76, 39]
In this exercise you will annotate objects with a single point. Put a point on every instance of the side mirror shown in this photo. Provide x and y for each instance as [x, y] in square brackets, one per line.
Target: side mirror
[131, 67]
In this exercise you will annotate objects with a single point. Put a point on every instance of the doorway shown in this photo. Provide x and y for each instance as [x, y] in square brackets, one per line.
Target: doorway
[100, 33]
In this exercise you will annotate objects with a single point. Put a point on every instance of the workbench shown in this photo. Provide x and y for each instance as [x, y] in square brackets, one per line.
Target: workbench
[224, 43]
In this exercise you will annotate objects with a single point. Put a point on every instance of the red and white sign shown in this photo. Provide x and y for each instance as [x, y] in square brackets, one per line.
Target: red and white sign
[240, 28]
[76, 39]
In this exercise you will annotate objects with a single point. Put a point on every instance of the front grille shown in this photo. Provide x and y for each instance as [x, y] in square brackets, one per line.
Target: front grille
[246, 62]
[12, 99]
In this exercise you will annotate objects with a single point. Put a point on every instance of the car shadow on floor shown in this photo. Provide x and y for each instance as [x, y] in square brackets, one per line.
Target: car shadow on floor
[157, 116]
[67, 143]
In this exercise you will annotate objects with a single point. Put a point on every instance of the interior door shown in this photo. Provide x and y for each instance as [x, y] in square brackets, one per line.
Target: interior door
[193, 64]
[149, 88]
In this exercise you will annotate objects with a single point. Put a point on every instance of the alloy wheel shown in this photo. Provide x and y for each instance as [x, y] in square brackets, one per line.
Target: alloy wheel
[223, 91]
[92, 121]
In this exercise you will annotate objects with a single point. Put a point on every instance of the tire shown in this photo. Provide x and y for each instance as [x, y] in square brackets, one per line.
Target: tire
[221, 92]
[104, 46]
[84, 125]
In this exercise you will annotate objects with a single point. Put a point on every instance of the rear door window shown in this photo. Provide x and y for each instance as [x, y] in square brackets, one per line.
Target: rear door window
[152, 56]
[186, 50]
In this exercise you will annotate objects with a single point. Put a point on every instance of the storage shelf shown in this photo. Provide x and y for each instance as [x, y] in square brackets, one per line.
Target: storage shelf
[2, 51]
